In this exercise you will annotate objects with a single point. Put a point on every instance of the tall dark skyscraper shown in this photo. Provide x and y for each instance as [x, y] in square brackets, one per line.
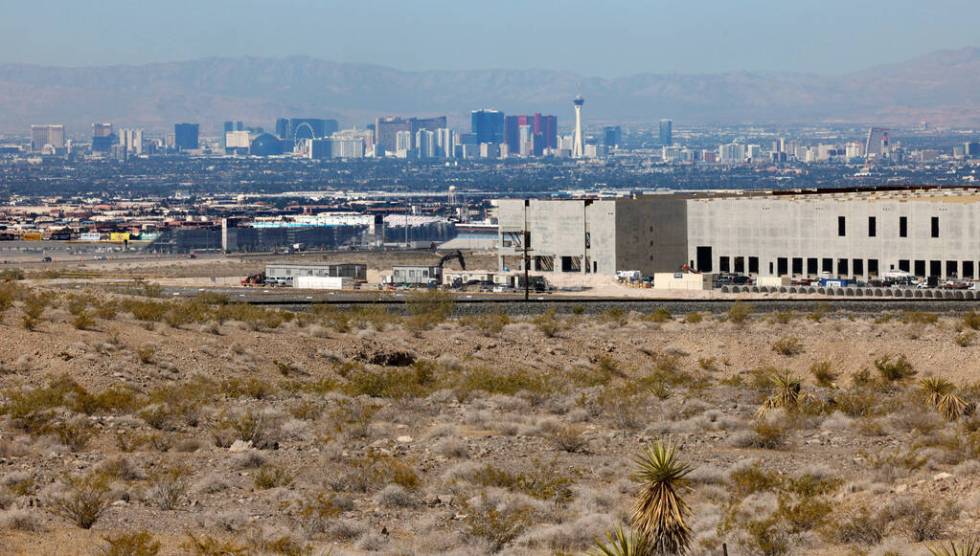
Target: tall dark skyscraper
[488, 126]
[102, 137]
[612, 136]
[666, 132]
[186, 136]
[282, 127]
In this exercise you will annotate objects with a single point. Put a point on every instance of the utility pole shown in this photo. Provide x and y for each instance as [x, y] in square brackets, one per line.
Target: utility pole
[527, 260]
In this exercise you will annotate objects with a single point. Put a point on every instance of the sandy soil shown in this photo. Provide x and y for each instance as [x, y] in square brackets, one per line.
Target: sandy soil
[585, 401]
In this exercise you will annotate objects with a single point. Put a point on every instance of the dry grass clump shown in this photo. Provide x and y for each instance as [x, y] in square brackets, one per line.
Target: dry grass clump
[919, 317]
[140, 543]
[373, 471]
[823, 373]
[549, 324]
[261, 428]
[660, 315]
[788, 346]
[569, 438]
[206, 545]
[272, 476]
[537, 480]
[33, 308]
[739, 312]
[489, 324]
[693, 317]
[169, 486]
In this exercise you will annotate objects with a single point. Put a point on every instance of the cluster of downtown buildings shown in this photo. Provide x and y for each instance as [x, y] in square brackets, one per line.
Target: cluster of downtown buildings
[492, 135]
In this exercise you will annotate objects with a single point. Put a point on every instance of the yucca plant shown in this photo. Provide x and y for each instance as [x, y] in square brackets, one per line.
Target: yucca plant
[622, 543]
[660, 514]
[942, 395]
[787, 393]
[966, 548]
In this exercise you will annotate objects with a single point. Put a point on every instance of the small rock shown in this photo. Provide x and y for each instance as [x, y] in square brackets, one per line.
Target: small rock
[240, 446]
[403, 439]
[942, 476]
[901, 488]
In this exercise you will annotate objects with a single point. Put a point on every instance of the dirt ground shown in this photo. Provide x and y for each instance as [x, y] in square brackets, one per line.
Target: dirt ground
[362, 432]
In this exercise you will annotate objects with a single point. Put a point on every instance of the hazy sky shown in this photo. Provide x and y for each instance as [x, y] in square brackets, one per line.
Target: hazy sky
[597, 37]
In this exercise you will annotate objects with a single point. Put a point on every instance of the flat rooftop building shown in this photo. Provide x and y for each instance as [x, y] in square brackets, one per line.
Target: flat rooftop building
[926, 231]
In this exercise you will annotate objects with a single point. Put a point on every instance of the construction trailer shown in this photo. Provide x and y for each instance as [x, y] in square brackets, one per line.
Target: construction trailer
[416, 276]
[284, 274]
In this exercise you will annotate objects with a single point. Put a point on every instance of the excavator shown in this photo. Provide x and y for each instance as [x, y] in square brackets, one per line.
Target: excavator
[458, 255]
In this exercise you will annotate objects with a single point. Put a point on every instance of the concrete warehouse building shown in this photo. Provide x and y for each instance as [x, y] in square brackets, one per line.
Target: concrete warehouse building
[927, 231]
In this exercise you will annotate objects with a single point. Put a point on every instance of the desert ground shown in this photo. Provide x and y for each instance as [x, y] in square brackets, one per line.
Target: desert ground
[133, 424]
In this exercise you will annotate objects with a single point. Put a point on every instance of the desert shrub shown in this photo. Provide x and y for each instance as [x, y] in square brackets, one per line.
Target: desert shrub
[84, 499]
[693, 317]
[972, 320]
[919, 317]
[739, 312]
[146, 311]
[34, 306]
[660, 314]
[540, 481]
[83, 321]
[490, 324]
[392, 382]
[8, 294]
[140, 543]
[272, 476]
[819, 312]
[894, 369]
[569, 438]
[497, 526]
[615, 316]
[316, 512]
[206, 545]
[74, 433]
[823, 373]
[856, 526]
[493, 381]
[260, 428]
[11, 275]
[919, 519]
[374, 470]
[548, 323]
[106, 310]
[765, 433]
[145, 353]
[169, 486]
[788, 346]
[32, 409]
[251, 387]
[783, 317]
[750, 479]
[965, 339]
[426, 309]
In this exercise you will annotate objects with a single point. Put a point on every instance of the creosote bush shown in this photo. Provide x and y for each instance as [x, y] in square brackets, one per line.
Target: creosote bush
[84, 500]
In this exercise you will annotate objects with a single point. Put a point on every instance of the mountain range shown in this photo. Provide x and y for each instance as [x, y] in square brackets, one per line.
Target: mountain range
[942, 88]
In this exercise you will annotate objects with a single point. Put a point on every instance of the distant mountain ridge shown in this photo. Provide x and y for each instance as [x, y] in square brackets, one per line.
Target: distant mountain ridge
[942, 87]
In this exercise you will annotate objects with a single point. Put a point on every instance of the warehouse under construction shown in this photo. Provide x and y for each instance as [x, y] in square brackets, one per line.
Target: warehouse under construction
[858, 233]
